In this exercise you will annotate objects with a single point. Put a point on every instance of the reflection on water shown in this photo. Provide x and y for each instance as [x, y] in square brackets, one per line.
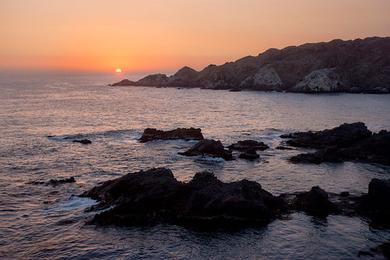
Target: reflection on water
[38, 221]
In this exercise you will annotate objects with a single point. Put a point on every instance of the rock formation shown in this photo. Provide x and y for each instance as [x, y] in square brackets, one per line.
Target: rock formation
[151, 134]
[361, 65]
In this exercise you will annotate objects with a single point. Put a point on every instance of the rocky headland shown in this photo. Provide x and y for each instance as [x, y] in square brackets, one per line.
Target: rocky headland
[355, 66]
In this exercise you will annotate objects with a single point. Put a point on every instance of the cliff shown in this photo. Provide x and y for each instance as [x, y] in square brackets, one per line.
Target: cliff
[361, 65]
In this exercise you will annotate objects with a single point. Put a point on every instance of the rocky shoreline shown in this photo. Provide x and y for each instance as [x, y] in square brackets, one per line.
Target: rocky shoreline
[355, 66]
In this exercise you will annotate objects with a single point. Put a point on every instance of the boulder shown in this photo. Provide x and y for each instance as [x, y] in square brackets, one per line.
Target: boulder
[315, 202]
[209, 147]
[151, 134]
[249, 155]
[248, 144]
[155, 196]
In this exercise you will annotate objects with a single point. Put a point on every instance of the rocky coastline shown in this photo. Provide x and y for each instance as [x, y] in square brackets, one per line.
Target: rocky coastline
[354, 66]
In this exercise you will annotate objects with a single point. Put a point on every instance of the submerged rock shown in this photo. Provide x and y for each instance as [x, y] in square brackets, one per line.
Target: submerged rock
[209, 147]
[155, 196]
[55, 182]
[249, 155]
[83, 141]
[248, 144]
[151, 134]
[315, 202]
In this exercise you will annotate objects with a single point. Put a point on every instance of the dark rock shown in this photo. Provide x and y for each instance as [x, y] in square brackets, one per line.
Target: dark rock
[373, 149]
[280, 147]
[341, 136]
[249, 155]
[55, 182]
[344, 194]
[151, 134]
[82, 141]
[325, 155]
[209, 147]
[375, 204]
[124, 82]
[315, 202]
[357, 66]
[155, 196]
[248, 144]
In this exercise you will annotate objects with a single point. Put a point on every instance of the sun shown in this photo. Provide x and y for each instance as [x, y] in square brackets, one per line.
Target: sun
[118, 70]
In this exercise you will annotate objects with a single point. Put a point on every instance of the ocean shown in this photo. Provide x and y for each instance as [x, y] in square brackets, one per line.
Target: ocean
[41, 115]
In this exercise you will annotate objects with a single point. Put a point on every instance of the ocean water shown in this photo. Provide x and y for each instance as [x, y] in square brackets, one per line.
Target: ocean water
[41, 115]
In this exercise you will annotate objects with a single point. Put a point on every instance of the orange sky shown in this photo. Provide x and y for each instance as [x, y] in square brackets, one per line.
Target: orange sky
[163, 35]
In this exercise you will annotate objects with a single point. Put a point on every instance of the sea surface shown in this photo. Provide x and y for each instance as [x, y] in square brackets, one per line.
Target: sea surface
[41, 115]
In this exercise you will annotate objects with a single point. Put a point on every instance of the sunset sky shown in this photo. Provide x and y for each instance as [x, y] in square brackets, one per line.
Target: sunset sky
[163, 35]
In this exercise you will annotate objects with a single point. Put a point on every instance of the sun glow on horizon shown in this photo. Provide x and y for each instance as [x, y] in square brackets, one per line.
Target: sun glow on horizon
[118, 70]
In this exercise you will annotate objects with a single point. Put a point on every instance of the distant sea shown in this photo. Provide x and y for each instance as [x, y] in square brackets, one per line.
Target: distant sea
[40, 115]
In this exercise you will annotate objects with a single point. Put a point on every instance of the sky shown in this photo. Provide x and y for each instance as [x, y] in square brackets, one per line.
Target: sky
[164, 35]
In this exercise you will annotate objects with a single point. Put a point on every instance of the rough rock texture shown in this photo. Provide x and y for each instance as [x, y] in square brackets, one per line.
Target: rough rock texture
[361, 65]
[209, 147]
[248, 144]
[322, 80]
[155, 196]
[348, 142]
[151, 134]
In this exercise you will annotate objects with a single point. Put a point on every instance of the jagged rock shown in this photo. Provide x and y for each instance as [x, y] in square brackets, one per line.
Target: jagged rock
[315, 202]
[209, 147]
[341, 136]
[151, 134]
[372, 149]
[155, 196]
[83, 141]
[323, 80]
[248, 144]
[360, 65]
[249, 155]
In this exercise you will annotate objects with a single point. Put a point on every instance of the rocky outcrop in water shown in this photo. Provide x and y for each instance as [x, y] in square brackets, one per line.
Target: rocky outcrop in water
[55, 182]
[249, 154]
[82, 141]
[315, 202]
[248, 144]
[375, 204]
[151, 134]
[361, 65]
[209, 147]
[348, 142]
[155, 196]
